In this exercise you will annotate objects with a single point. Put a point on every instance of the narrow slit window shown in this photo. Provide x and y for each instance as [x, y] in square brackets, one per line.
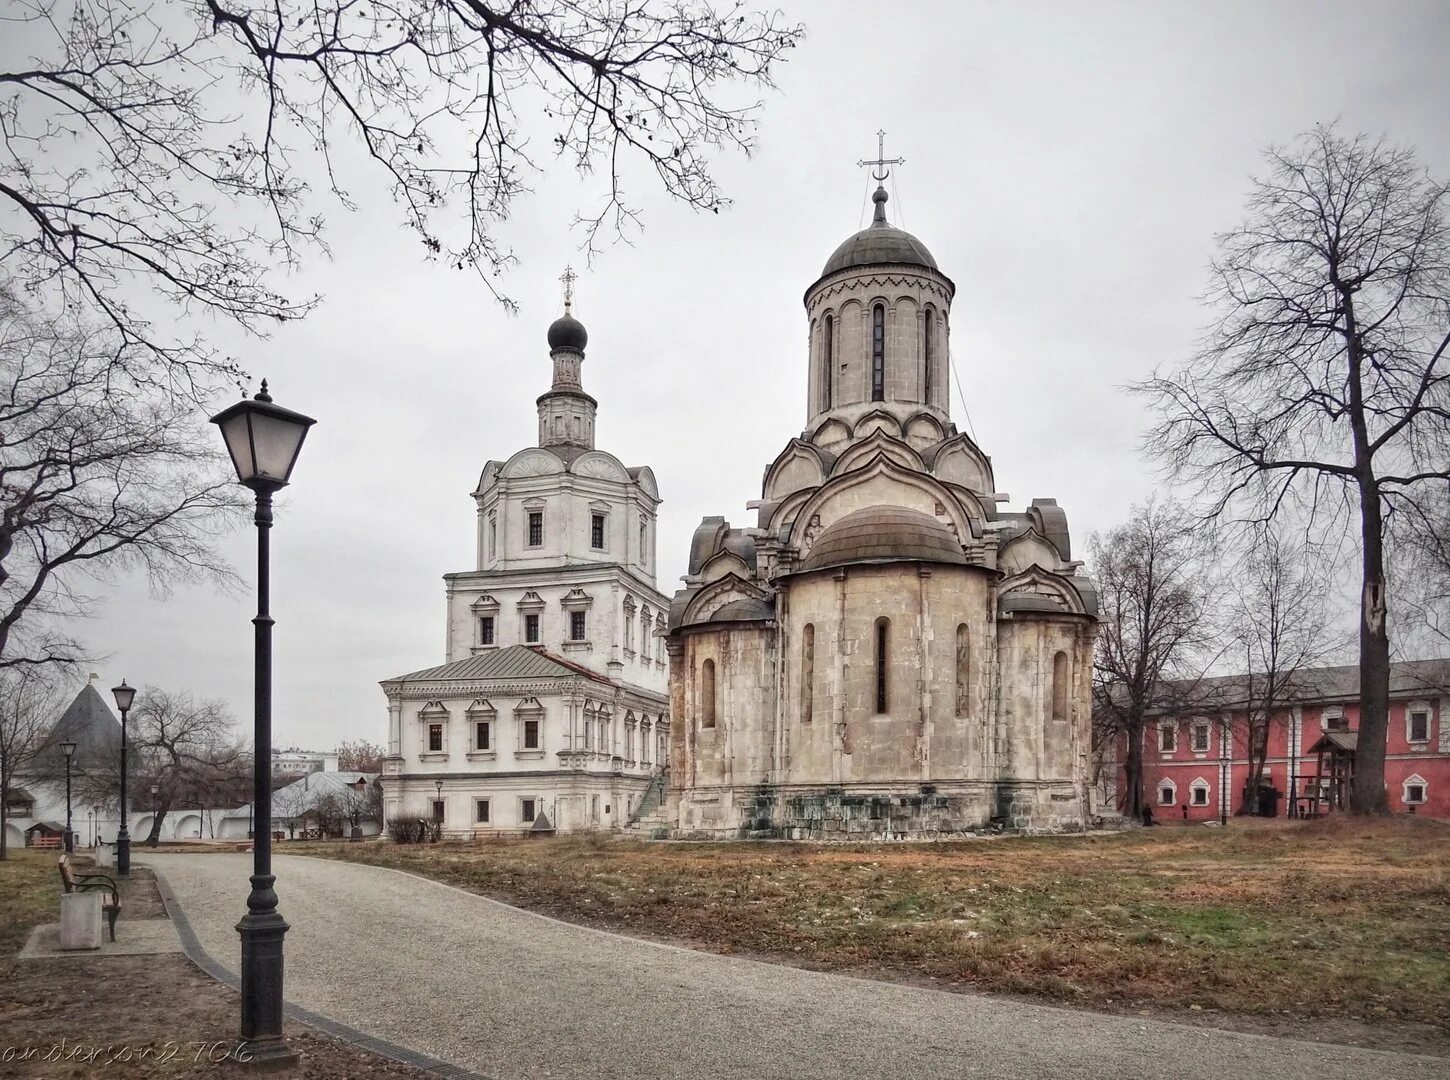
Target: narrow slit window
[828, 360]
[926, 357]
[1059, 688]
[707, 694]
[963, 669]
[878, 353]
[808, 672]
[883, 648]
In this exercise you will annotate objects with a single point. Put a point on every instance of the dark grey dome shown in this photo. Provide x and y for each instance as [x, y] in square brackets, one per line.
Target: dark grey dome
[567, 332]
[881, 242]
[884, 534]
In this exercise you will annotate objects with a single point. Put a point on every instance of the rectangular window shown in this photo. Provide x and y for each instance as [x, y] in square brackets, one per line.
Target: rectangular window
[531, 629]
[1414, 793]
[596, 532]
[437, 809]
[628, 743]
[1167, 738]
[1165, 796]
[1200, 796]
[1336, 723]
[482, 735]
[882, 629]
[481, 811]
[531, 734]
[526, 811]
[594, 808]
[492, 535]
[485, 630]
[576, 626]
[536, 528]
[1419, 726]
[1200, 738]
[435, 738]
[643, 554]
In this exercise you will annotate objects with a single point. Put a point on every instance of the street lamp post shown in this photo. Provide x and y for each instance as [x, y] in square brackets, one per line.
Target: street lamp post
[69, 750]
[155, 810]
[124, 696]
[263, 440]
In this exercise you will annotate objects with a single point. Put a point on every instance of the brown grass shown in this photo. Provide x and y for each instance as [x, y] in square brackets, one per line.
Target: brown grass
[1340, 919]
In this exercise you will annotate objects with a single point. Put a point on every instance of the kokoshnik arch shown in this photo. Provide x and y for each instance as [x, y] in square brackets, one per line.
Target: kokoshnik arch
[886, 651]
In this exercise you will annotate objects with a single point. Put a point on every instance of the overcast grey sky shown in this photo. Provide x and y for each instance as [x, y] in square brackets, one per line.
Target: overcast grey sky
[1067, 164]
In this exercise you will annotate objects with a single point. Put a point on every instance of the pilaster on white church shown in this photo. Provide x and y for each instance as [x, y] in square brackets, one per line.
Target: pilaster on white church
[548, 710]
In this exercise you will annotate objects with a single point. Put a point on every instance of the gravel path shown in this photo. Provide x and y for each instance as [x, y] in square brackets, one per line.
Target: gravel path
[511, 995]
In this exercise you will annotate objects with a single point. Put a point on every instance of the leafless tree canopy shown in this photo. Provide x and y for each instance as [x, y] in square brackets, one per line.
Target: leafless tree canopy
[190, 750]
[97, 473]
[1322, 385]
[359, 755]
[1155, 632]
[29, 706]
[158, 156]
[1278, 629]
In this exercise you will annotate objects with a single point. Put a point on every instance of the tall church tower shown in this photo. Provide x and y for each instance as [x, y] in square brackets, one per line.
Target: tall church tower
[885, 650]
[550, 701]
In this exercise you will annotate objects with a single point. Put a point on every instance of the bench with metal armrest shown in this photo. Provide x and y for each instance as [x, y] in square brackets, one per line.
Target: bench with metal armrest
[75, 882]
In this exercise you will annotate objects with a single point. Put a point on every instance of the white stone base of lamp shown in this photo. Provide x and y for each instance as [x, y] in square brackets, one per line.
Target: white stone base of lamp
[80, 920]
[105, 855]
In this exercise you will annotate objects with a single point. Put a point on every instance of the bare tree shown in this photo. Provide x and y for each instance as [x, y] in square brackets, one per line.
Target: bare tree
[131, 123]
[1322, 387]
[1154, 592]
[361, 801]
[1422, 573]
[189, 749]
[98, 473]
[360, 755]
[29, 706]
[1279, 626]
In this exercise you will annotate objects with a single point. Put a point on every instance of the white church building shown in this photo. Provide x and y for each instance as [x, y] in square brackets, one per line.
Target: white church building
[549, 710]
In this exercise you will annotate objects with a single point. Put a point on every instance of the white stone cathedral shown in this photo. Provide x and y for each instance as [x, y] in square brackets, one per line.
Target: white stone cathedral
[549, 709]
[885, 651]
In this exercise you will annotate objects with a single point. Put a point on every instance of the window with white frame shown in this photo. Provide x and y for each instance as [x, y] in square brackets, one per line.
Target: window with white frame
[1334, 720]
[596, 532]
[485, 630]
[531, 627]
[1417, 722]
[528, 810]
[492, 535]
[1198, 792]
[1167, 793]
[531, 735]
[481, 811]
[577, 626]
[1201, 735]
[535, 534]
[483, 735]
[438, 809]
[435, 738]
[1415, 790]
[1167, 737]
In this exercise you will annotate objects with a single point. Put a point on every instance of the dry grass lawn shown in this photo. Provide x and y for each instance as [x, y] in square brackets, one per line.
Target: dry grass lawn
[1340, 920]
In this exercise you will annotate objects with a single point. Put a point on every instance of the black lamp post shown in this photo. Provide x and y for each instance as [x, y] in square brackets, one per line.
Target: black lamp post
[155, 810]
[69, 750]
[263, 440]
[124, 696]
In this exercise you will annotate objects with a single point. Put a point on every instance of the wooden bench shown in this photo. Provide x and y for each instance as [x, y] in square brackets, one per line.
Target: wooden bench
[74, 882]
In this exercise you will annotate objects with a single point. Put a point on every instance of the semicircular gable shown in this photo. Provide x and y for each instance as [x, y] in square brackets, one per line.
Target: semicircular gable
[960, 462]
[798, 466]
[785, 511]
[883, 482]
[599, 464]
[722, 564]
[489, 476]
[923, 430]
[644, 476]
[533, 462]
[877, 443]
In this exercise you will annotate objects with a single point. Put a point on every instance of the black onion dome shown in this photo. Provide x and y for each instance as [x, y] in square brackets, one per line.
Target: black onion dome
[880, 243]
[567, 332]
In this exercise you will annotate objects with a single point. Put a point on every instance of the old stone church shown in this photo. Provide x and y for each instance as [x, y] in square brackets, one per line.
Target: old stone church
[886, 650]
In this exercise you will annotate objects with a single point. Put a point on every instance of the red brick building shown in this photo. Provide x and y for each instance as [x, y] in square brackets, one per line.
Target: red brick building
[1193, 758]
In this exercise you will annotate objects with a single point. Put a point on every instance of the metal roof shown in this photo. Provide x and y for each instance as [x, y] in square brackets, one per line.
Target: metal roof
[1308, 686]
[512, 662]
[884, 534]
[880, 243]
[89, 723]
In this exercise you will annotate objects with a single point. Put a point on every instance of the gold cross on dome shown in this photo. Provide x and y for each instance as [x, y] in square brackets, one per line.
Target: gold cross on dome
[568, 277]
[881, 159]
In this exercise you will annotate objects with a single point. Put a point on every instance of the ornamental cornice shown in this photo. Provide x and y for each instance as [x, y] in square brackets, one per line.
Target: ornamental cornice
[855, 284]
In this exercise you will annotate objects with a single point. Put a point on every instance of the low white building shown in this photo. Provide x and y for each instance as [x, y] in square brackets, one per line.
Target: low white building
[292, 761]
[551, 698]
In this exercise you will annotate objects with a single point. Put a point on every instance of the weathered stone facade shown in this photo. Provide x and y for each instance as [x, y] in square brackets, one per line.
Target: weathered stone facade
[885, 652]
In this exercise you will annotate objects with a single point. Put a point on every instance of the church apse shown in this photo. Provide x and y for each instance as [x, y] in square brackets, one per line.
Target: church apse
[886, 650]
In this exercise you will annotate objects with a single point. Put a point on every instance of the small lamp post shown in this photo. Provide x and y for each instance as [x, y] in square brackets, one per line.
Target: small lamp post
[438, 811]
[69, 750]
[155, 810]
[263, 440]
[124, 695]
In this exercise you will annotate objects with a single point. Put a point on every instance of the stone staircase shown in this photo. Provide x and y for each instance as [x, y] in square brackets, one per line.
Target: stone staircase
[649, 815]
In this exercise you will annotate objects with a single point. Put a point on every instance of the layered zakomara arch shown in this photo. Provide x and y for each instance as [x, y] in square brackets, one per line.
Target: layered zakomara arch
[881, 481]
[1036, 590]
